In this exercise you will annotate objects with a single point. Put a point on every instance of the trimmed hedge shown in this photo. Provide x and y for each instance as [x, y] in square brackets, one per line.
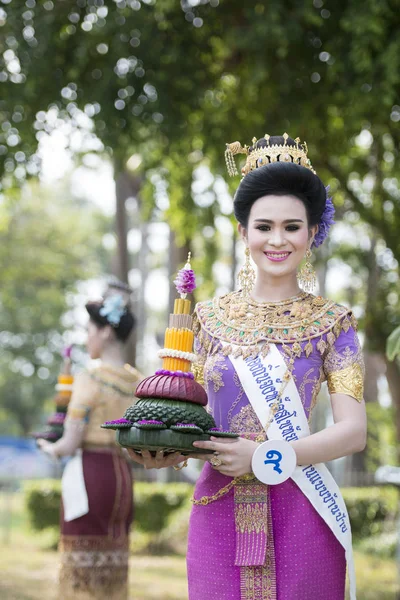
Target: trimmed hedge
[154, 503]
[372, 510]
[42, 500]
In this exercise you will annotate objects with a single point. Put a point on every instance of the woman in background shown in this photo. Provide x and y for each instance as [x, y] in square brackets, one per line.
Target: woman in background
[97, 505]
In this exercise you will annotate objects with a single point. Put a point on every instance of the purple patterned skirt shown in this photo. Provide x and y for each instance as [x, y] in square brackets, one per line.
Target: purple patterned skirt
[94, 548]
[261, 543]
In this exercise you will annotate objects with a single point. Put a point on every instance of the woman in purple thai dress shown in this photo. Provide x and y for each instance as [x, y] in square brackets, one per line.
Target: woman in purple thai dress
[269, 347]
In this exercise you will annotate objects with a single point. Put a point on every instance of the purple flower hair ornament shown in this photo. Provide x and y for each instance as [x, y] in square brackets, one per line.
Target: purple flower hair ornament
[326, 221]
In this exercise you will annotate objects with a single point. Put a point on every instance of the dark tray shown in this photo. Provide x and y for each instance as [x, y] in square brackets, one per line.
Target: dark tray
[162, 439]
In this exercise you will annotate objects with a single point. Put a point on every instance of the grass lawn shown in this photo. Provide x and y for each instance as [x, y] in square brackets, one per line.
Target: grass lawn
[29, 568]
[31, 574]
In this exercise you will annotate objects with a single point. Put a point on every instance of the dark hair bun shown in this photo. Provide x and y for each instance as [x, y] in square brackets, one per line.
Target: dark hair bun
[124, 327]
[279, 179]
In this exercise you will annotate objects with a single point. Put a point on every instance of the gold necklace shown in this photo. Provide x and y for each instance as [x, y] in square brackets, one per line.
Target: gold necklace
[204, 500]
[299, 296]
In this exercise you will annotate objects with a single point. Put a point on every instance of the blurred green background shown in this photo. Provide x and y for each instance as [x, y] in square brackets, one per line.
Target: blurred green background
[113, 121]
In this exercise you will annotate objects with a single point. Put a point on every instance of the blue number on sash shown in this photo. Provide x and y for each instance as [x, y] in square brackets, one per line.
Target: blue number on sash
[275, 458]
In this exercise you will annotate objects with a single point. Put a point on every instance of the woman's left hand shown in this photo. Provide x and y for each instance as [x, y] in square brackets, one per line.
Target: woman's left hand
[235, 454]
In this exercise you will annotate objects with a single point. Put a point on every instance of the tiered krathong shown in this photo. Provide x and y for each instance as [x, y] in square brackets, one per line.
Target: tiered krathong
[170, 413]
[55, 423]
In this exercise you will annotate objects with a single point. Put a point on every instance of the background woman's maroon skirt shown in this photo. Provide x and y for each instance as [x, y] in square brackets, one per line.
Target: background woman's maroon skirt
[95, 548]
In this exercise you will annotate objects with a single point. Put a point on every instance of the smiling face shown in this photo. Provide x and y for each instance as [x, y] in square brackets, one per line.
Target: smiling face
[278, 235]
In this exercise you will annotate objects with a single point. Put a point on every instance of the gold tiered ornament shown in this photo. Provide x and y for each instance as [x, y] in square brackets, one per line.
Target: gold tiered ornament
[170, 413]
[55, 423]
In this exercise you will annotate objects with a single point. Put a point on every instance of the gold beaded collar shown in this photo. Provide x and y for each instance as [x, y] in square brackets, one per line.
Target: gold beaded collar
[243, 323]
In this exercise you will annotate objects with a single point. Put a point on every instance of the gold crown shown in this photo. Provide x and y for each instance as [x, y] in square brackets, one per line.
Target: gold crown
[259, 157]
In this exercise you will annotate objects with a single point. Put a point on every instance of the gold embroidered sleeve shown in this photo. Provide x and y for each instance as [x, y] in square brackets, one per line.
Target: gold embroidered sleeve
[348, 381]
[344, 363]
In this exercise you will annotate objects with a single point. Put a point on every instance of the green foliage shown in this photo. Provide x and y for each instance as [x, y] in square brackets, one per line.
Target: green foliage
[383, 545]
[42, 500]
[382, 444]
[173, 82]
[393, 344]
[154, 503]
[231, 71]
[46, 247]
[162, 513]
[369, 509]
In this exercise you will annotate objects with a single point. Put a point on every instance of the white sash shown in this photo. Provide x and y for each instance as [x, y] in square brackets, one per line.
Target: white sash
[73, 489]
[261, 379]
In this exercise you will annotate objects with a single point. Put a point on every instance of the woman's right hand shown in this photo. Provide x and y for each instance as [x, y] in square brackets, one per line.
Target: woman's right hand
[159, 461]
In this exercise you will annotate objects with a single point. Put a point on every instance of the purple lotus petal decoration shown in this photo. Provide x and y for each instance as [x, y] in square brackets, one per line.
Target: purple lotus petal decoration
[119, 422]
[150, 424]
[56, 419]
[188, 375]
[187, 428]
[222, 433]
[185, 281]
[326, 221]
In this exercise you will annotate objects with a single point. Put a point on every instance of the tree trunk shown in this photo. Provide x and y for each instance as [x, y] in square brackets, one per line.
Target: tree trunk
[126, 185]
[140, 301]
[122, 266]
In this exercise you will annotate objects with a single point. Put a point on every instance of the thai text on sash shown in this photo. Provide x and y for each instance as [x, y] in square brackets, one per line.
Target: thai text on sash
[266, 384]
[288, 429]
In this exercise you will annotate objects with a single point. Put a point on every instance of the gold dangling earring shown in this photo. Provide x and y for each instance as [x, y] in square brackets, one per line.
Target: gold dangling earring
[246, 276]
[307, 276]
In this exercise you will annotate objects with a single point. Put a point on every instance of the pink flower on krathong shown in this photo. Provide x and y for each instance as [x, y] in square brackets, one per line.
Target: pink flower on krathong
[119, 422]
[185, 281]
[67, 351]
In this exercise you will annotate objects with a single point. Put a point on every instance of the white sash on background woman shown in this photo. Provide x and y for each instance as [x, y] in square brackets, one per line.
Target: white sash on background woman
[74, 494]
